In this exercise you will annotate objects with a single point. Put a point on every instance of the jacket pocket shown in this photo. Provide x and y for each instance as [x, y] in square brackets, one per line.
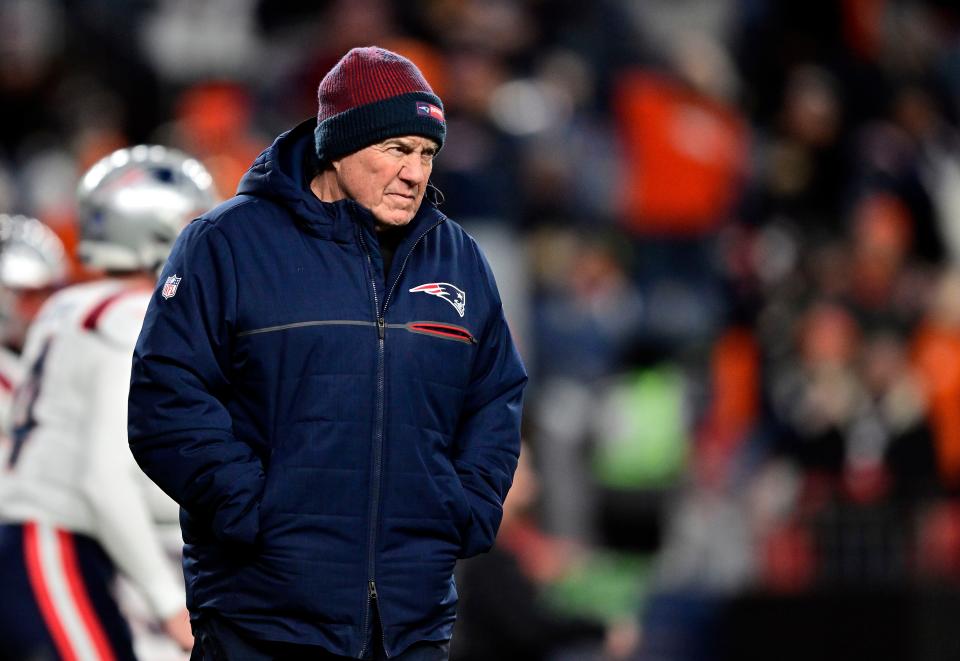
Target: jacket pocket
[441, 330]
[462, 512]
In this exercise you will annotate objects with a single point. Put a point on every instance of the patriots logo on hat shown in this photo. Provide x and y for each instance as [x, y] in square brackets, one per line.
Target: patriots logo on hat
[450, 293]
[170, 286]
[429, 110]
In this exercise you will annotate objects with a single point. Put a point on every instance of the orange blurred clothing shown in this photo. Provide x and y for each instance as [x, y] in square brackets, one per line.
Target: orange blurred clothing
[736, 379]
[735, 399]
[684, 156]
[427, 58]
[936, 357]
[215, 123]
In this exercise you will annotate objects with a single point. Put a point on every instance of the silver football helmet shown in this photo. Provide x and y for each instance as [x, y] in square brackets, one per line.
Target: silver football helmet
[33, 263]
[31, 254]
[133, 203]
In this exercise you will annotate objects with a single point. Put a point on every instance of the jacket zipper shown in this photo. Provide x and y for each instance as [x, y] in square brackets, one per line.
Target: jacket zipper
[386, 301]
[377, 457]
[376, 477]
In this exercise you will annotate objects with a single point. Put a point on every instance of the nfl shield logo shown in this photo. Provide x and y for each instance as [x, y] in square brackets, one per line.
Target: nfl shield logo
[170, 286]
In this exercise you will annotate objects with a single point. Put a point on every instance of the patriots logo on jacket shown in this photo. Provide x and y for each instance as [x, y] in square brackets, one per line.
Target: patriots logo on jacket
[450, 293]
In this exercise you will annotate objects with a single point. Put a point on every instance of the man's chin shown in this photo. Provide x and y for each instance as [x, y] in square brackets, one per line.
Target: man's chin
[393, 220]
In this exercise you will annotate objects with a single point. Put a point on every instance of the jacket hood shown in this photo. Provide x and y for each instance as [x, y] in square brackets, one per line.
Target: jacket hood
[282, 173]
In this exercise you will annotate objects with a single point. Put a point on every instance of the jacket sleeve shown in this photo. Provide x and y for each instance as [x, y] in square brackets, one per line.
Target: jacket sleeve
[180, 430]
[488, 433]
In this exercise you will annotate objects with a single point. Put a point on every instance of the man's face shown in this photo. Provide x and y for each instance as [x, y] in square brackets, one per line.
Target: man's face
[389, 177]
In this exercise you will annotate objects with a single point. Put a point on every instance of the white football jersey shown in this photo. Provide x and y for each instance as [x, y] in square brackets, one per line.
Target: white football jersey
[69, 464]
[11, 373]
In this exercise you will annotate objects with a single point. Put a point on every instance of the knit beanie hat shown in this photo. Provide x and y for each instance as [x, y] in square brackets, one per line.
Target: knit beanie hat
[370, 95]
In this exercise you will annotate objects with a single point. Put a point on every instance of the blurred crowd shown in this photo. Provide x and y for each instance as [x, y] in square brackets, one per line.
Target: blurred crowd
[727, 233]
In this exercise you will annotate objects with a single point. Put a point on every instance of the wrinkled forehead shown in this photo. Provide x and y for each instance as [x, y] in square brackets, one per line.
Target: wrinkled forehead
[413, 141]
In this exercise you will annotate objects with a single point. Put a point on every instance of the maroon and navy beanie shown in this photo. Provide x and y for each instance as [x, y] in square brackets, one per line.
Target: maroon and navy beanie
[370, 95]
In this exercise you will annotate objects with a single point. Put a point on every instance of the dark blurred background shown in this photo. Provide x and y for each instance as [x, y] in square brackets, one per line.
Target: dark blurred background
[727, 235]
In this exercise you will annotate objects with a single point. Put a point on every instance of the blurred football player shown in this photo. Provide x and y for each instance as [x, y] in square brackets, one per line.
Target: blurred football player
[74, 510]
[32, 266]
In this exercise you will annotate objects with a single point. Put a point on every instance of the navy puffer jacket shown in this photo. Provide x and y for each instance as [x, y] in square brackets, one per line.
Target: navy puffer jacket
[336, 437]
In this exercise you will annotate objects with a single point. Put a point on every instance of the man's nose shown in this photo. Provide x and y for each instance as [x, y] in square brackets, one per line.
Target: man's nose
[413, 170]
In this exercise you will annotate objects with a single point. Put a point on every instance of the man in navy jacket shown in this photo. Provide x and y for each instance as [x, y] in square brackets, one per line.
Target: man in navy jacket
[326, 384]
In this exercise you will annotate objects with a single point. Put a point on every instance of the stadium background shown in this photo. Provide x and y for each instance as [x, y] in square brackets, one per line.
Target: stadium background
[727, 234]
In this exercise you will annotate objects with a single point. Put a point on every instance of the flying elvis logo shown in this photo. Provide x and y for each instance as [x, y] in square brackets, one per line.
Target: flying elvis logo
[450, 293]
[170, 286]
[429, 110]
